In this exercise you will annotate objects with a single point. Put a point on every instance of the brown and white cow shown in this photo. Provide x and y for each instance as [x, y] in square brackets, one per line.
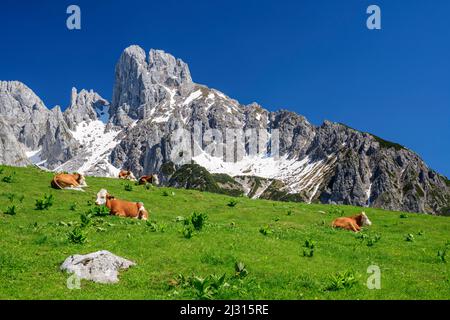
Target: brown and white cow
[353, 223]
[121, 208]
[152, 179]
[73, 181]
[127, 175]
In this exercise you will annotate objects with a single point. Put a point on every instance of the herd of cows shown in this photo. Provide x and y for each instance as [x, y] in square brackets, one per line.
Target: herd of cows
[137, 210]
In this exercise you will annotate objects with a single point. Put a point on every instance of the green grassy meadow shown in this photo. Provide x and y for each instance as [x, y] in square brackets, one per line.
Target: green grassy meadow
[267, 237]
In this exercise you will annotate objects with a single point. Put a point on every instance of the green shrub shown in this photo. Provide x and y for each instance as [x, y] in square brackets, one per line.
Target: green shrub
[46, 203]
[165, 193]
[128, 187]
[77, 236]
[409, 237]
[403, 216]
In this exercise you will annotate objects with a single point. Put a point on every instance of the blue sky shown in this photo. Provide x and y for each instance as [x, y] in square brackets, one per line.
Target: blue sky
[314, 57]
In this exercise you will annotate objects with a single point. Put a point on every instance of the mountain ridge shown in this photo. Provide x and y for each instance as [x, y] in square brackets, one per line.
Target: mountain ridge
[155, 98]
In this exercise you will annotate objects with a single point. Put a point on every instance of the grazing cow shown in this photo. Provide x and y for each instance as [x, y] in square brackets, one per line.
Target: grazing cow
[152, 179]
[121, 208]
[127, 175]
[353, 223]
[74, 181]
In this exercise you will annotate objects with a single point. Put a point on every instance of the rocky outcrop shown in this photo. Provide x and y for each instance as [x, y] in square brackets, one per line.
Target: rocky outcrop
[85, 106]
[100, 266]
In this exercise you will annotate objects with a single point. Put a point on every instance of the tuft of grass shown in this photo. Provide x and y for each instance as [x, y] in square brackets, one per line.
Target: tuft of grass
[409, 237]
[128, 187]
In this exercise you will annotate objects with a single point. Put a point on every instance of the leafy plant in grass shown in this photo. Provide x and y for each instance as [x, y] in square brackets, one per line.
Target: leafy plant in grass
[341, 280]
[1, 170]
[409, 237]
[403, 216]
[77, 236]
[165, 193]
[308, 248]
[336, 211]
[155, 227]
[11, 210]
[8, 179]
[240, 271]
[188, 231]
[204, 288]
[73, 207]
[290, 213]
[197, 220]
[128, 187]
[373, 239]
[45, 203]
[86, 219]
[99, 211]
[442, 254]
[266, 230]
[232, 203]
[11, 197]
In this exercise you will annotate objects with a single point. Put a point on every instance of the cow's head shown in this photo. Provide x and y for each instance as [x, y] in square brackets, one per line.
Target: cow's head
[80, 179]
[102, 196]
[155, 180]
[365, 220]
[130, 176]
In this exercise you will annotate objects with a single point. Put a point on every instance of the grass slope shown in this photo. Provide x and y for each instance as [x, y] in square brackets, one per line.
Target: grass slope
[33, 244]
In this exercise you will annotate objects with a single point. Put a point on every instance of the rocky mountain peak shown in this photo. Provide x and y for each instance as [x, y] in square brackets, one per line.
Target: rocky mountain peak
[167, 70]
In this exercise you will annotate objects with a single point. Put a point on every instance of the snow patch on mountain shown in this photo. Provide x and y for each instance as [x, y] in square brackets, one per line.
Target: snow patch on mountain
[298, 175]
[97, 144]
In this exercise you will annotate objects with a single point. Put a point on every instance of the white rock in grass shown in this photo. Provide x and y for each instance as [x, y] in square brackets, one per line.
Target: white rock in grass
[101, 266]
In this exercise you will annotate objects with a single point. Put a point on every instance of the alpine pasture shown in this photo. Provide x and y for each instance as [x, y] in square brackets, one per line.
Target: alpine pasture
[199, 245]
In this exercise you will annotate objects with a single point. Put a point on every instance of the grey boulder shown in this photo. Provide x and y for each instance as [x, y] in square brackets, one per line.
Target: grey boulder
[101, 266]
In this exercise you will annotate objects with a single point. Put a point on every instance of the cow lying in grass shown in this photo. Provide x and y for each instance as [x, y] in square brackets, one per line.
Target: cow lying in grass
[152, 179]
[74, 181]
[353, 223]
[127, 175]
[121, 208]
